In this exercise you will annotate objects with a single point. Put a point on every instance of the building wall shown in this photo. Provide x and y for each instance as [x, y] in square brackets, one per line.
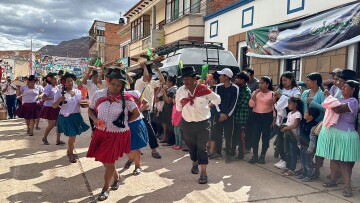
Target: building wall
[188, 26]
[15, 53]
[112, 41]
[324, 63]
[265, 13]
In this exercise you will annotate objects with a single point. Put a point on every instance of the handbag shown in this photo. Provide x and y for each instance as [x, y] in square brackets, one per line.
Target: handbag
[316, 130]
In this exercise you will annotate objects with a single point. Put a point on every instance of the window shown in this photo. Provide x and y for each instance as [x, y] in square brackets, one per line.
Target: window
[140, 28]
[101, 39]
[244, 59]
[177, 8]
[293, 65]
[124, 51]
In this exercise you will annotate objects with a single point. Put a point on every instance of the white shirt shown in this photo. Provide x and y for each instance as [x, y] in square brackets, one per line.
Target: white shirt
[200, 110]
[147, 89]
[72, 105]
[109, 112]
[291, 117]
[91, 87]
[50, 91]
[10, 90]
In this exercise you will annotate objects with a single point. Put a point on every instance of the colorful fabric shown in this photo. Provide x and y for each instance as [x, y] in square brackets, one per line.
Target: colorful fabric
[200, 90]
[176, 117]
[330, 118]
[340, 145]
[242, 107]
[73, 125]
[107, 147]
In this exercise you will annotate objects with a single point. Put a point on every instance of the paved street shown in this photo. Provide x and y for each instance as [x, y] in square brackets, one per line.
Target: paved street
[33, 172]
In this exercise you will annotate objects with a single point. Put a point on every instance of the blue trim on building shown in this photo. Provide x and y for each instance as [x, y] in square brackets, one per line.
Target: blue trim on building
[216, 31]
[290, 11]
[227, 9]
[252, 17]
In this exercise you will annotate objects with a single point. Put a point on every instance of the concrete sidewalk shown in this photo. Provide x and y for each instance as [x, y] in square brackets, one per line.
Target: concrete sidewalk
[33, 172]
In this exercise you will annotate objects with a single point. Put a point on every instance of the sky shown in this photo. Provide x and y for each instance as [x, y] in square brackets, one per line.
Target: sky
[53, 20]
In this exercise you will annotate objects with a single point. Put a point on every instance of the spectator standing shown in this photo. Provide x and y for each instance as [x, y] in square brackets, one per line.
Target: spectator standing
[224, 125]
[10, 93]
[241, 114]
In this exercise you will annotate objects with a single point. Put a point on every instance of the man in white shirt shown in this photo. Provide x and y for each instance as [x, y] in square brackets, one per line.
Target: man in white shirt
[146, 85]
[193, 101]
[10, 92]
[92, 82]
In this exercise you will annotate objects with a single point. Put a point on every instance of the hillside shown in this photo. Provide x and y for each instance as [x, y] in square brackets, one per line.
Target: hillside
[75, 48]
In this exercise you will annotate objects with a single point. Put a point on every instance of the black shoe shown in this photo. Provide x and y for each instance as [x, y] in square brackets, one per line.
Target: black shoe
[261, 160]
[254, 160]
[203, 179]
[240, 157]
[115, 185]
[215, 156]
[195, 169]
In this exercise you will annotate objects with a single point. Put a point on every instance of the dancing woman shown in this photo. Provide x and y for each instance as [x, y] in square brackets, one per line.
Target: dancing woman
[111, 110]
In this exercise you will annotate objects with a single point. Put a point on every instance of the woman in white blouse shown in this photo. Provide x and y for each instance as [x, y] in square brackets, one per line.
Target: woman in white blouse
[111, 110]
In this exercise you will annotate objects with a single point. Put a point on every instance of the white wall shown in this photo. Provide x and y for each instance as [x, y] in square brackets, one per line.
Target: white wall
[266, 12]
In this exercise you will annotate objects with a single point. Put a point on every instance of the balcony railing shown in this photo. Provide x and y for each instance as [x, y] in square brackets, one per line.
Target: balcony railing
[156, 39]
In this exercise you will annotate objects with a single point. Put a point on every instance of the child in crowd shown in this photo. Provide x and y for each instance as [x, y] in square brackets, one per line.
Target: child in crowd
[291, 131]
[307, 144]
[176, 120]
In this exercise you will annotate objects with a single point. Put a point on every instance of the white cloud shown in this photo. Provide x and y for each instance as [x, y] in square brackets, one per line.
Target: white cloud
[59, 20]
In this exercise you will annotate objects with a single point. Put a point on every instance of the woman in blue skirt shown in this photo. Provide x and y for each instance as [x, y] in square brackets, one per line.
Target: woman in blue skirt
[139, 133]
[70, 121]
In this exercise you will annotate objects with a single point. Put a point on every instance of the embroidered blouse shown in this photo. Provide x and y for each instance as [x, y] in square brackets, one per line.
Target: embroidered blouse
[109, 112]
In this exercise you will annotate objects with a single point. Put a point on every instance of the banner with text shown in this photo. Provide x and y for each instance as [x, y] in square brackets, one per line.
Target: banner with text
[313, 35]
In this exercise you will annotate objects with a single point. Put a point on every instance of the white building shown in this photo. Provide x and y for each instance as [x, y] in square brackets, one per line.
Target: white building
[230, 25]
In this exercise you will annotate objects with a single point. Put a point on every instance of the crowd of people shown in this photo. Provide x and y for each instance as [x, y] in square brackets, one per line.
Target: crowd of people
[310, 123]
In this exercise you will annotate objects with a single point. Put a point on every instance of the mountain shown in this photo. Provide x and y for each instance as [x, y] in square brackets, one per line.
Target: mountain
[75, 48]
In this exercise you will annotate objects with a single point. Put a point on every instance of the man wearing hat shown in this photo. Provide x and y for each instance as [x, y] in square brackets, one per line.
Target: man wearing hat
[330, 82]
[193, 100]
[146, 85]
[10, 92]
[92, 82]
[224, 120]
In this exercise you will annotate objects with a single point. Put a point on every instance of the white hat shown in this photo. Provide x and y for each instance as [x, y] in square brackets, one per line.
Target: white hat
[226, 71]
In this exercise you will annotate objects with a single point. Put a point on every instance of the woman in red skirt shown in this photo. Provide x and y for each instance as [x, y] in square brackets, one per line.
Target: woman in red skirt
[30, 96]
[48, 112]
[111, 110]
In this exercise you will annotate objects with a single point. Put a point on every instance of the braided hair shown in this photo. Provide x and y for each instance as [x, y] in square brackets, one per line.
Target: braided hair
[119, 74]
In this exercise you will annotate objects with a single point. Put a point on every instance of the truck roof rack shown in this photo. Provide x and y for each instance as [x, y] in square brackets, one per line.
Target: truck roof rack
[167, 49]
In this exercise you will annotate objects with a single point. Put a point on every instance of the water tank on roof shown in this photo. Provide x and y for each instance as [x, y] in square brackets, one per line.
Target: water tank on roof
[121, 21]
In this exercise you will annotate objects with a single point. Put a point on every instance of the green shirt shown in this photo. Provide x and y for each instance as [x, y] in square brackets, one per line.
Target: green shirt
[242, 107]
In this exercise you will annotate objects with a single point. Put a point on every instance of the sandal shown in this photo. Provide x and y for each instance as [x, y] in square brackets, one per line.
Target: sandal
[347, 192]
[137, 171]
[156, 155]
[289, 173]
[37, 128]
[115, 184]
[203, 179]
[72, 158]
[31, 134]
[128, 164]
[45, 141]
[60, 142]
[103, 195]
[330, 184]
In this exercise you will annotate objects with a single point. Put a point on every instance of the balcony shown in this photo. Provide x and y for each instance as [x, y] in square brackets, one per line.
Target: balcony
[155, 40]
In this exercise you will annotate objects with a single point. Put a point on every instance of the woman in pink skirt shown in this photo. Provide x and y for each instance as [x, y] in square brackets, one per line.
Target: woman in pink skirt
[48, 112]
[111, 110]
[28, 110]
